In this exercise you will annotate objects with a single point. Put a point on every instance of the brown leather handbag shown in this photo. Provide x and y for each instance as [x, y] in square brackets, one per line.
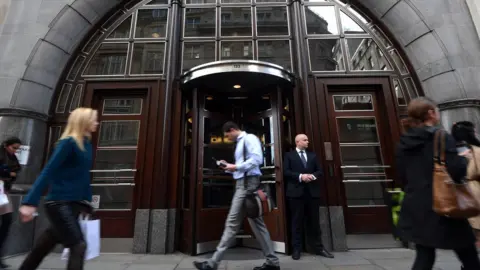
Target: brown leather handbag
[473, 168]
[449, 198]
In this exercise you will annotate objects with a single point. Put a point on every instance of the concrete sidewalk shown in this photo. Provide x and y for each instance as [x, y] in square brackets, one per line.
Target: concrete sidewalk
[246, 259]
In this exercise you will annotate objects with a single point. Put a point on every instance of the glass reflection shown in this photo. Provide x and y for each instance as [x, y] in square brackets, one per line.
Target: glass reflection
[272, 21]
[235, 1]
[199, 22]
[370, 155]
[363, 194]
[217, 193]
[196, 53]
[270, 1]
[62, 100]
[262, 128]
[321, 20]
[401, 100]
[366, 55]
[129, 106]
[398, 61]
[114, 197]
[148, 58]
[275, 51]
[110, 59]
[115, 159]
[376, 30]
[151, 23]
[123, 30]
[77, 97]
[237, 50]
[412, 90]
[353, 103]
[349, 26]
[357, 130]
[199, 1]
[269, 156]
[236, 21]
[119, 133]
[158, 2]
[325, 55]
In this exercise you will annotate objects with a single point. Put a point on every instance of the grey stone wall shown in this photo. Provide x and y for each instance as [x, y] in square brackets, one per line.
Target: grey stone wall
[475, 12]
[37, 40]
[440, 40]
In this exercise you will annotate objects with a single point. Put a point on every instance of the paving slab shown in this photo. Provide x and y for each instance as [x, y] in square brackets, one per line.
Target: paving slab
[246, 259]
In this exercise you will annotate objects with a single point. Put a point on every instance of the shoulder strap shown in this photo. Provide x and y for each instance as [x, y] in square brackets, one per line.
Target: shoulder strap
[245, 184]
[439, 140]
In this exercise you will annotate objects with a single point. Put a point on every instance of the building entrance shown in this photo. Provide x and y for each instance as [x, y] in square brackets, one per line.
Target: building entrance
[207, 191]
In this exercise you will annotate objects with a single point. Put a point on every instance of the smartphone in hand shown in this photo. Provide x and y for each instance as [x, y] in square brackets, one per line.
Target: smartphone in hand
[220, 163]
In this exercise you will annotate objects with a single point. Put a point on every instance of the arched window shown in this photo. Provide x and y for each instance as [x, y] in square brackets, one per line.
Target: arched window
[132, 43]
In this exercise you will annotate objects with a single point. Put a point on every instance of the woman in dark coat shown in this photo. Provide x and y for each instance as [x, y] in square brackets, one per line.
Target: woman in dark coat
[418, 222]
[9, 167]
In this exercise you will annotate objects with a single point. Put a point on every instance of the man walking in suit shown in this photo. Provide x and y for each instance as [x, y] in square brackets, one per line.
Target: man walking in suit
[244, 169]
[302, 173]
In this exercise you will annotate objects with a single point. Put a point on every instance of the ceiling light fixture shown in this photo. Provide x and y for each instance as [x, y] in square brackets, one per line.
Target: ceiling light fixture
[237, 86]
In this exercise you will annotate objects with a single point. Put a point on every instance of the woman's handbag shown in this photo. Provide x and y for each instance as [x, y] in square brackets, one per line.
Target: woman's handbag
[449, 198]
[473, 168]
[257, 202]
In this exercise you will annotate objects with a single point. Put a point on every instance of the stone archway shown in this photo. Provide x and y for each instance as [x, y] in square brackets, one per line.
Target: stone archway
[440, 40]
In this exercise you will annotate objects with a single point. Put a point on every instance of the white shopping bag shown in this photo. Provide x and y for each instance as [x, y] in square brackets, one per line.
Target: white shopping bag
[3, 196]
[91, 233]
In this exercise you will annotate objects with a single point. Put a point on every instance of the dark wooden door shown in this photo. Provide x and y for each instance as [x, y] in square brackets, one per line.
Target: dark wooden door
[214, 188]
[360, 138]
[118, 144]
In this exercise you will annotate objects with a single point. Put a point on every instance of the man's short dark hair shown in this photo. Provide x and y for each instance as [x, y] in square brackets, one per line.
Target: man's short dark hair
[230, 125]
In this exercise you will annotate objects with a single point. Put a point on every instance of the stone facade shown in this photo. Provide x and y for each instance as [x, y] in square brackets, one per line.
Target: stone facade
[38, 37]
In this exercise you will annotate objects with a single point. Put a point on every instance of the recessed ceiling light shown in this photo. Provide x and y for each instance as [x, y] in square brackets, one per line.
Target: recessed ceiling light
[237, 86]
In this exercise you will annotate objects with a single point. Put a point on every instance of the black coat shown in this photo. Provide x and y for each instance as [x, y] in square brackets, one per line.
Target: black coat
[293, 167]
[9, 163]
[418, 222]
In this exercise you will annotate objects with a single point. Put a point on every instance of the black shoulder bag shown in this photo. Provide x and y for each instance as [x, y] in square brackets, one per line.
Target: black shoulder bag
[257, 202]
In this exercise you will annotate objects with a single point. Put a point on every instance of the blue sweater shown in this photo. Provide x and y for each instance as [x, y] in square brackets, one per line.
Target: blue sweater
[67, 174]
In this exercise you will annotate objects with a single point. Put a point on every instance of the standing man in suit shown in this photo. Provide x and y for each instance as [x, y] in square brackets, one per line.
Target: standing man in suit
[302, 173]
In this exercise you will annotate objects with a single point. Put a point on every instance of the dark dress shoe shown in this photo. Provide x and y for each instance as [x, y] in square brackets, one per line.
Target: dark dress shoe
[267, 267]
[296, 255]
[203, 266]
[324, 253]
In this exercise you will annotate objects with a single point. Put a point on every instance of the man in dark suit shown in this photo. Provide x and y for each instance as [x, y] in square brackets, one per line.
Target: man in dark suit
[302, 174]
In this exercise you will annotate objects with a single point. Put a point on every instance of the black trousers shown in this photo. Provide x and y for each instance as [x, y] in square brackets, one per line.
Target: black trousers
[6, 220]
[425, 258]
[306, 210]
[64, 229]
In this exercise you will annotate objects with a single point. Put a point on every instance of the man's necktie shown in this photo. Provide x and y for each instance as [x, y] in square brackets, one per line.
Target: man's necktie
[304, 160]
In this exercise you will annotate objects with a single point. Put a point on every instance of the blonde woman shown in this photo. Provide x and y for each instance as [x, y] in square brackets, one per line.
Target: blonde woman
[67, 177]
